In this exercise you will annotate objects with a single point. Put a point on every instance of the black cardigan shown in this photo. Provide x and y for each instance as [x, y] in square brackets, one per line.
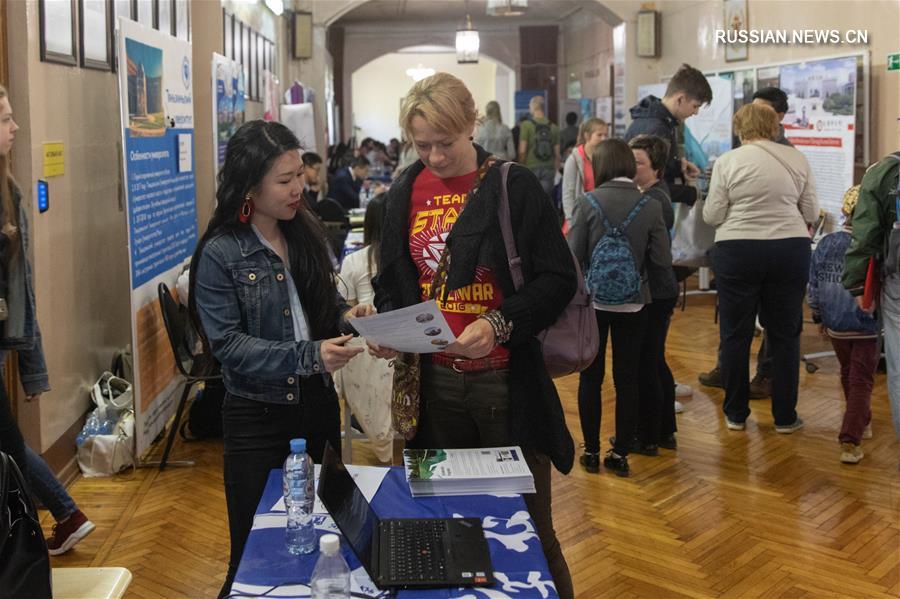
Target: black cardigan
[536, 416]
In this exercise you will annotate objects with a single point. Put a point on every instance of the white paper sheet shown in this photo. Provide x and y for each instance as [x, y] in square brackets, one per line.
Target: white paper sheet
[367, 478]
[419, 329]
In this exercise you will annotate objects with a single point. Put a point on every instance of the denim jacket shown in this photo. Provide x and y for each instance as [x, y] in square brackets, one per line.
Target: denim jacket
[832, 305]
[242, 299]
[30, 350]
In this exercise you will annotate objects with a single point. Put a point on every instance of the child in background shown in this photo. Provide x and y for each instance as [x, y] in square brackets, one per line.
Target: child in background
[853, 333]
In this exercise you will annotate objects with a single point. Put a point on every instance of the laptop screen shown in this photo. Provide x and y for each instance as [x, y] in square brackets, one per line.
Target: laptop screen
[348, 507]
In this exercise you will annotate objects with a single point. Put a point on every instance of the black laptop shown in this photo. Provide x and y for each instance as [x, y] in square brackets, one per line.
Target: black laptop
[404, 552]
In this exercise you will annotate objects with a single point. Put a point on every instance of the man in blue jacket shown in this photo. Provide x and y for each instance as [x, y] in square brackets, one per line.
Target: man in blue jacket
[345, 185]
[686, 92]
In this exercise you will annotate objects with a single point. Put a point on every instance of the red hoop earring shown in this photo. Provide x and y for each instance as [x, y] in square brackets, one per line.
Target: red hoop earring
[246, 210]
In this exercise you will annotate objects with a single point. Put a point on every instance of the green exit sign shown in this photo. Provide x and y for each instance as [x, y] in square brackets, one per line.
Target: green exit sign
[893, 62]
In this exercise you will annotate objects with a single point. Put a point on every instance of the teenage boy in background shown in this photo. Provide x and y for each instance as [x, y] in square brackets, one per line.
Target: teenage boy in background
[686, 92]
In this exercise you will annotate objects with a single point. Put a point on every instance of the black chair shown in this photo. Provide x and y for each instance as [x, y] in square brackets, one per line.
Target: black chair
[336, 223]
[195, 367]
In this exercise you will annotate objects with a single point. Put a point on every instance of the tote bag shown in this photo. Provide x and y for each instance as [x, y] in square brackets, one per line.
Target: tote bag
[571, 343]
[693, 238]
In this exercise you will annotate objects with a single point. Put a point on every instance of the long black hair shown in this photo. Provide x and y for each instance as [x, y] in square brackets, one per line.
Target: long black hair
[372, 227]
[249, 156]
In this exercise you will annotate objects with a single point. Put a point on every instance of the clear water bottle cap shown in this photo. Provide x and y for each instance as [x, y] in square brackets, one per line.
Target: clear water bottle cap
[329, 544]
[298, 445]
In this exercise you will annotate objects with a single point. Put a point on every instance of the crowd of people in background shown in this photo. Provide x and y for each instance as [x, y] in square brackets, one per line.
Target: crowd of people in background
[761, 201]
[265, 298]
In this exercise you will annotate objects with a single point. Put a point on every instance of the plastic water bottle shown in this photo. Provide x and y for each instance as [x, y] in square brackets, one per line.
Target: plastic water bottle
[331, 576]
[92, 426]
[299, 489]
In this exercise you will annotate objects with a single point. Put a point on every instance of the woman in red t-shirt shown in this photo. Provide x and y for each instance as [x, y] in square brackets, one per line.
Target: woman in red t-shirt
[490, 388]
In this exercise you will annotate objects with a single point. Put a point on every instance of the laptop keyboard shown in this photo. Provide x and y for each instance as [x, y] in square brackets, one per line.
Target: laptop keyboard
[416, 550]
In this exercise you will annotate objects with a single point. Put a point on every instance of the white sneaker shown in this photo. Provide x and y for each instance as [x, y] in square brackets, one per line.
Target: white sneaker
[679, 407]
[682, 390]
[850, 453]
[867, 432]
[735, 426]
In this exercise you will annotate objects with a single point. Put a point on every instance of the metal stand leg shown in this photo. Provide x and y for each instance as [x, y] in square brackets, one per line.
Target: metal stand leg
[188, 385]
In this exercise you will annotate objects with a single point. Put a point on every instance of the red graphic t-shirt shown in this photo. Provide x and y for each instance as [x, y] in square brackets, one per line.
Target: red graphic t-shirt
[435, 206]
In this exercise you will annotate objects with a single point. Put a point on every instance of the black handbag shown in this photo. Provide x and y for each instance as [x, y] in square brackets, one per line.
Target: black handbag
[24, 561]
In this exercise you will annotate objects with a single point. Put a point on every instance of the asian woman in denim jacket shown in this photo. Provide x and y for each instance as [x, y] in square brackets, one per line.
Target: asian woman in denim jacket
[263, 292]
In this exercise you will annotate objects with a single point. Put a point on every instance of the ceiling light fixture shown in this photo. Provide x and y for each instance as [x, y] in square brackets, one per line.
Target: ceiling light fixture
[506, 8]
[467, 44]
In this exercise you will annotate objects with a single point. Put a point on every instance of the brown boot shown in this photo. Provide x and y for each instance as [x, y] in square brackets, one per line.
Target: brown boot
[713, 378]
[760, 387]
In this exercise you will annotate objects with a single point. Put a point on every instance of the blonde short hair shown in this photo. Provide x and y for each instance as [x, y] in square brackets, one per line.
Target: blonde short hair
[756, 121]
[443, 101]
[536, 103]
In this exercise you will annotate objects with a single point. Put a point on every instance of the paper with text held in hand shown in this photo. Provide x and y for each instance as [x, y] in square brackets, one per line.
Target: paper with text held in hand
[419, 329]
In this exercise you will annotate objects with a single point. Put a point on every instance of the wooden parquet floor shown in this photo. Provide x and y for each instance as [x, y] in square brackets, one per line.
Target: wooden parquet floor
[729, 514]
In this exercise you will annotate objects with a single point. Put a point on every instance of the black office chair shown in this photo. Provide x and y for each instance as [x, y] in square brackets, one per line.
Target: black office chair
[194, 367]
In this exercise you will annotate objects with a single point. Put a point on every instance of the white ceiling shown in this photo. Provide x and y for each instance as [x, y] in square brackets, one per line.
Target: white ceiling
[427, 12]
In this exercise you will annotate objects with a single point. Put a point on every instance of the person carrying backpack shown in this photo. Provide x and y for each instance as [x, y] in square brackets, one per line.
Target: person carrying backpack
[616, 233]
[876, 234]
[539, 144]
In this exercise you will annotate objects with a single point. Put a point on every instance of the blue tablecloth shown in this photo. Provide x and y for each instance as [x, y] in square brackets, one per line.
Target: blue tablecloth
[520, 567]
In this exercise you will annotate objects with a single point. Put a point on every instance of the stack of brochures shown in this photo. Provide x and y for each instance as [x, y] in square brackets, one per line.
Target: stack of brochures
[491, 470]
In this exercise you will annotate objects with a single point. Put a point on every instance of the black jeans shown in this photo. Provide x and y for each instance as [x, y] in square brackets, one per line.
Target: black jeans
[763, 358]
[11, 441]
[656, 412]
[257, 439]
[627, 334]
[771, 275]
[461, 410]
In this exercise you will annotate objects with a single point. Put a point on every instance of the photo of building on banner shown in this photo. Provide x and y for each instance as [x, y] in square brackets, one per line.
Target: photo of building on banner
[157, 123]
[821, 123]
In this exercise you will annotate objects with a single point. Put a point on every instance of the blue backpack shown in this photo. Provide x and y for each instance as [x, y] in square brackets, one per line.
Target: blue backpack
[612, 278]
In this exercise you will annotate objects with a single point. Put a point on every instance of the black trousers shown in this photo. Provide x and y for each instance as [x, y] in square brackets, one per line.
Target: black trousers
[471, 409]
[627, 334]
[763, 358]
[656, 412]
[11, 441]
[257, 439]
[770, 275]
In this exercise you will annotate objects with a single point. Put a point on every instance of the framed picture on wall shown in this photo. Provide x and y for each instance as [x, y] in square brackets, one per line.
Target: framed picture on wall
[228, 35]
[302, 34]
[145, 12]
[237, 48]
[120, 8]
[182, 20]
[94, 34]
[736, 20]
[164, 16]
[254, 68]
[245, 58]
[57, 19]
[648, 34]
[261, 61]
